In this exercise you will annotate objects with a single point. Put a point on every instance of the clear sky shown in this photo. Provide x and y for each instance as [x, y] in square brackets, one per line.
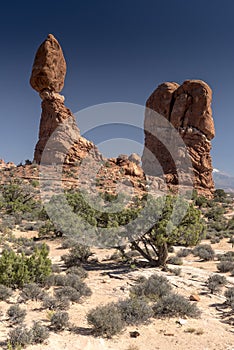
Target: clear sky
[116, 51]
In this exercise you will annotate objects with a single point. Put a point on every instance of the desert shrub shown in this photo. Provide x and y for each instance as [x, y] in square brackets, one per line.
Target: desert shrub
[204, 252]
[59, 320]
[32, 291]
[183, 252]
[175, 260]
[68, 292]
[53, 303]
[55, 268]
[77, 255]
[19, 337]
[5, 292]
[16, 314]
[16, 270]
[75, 282]
[68, 243]
[174, 305]
[228, 256]
[215, 282]
[229, 294]
[78, 271]
[134, 311]
[39, 333]
[176, 271]
[214, 240]
[152, 288]
[225, 266]
[106, 320]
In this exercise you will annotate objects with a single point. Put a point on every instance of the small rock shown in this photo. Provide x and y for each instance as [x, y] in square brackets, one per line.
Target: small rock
[194, 297]
[134, 334]
[181, 321]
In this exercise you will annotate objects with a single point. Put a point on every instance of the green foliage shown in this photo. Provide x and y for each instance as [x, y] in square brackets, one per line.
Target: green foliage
[183, 252]
[17, 197]
[16, 270]
[167, 229]
[174, 305]
[106, 320]
[151, 288]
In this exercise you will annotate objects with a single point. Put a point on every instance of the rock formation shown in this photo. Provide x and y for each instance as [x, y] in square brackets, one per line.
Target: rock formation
[188, 109]
[59, 137]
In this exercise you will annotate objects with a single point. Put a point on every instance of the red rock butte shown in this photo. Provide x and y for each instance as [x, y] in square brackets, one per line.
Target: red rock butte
[188, 109]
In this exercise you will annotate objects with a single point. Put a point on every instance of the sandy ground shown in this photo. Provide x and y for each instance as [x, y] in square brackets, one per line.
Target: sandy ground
[209, 332]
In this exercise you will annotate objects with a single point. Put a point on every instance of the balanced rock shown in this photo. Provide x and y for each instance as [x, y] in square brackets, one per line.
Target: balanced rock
[178, 136]
[49, 67]
[59, 137]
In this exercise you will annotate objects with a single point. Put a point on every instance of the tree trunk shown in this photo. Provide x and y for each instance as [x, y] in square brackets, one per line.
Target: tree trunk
[162, 254]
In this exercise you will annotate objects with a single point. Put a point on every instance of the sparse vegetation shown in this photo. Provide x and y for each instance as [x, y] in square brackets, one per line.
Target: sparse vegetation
[59, 321]
[16, 314]
[134, 311]
[39, 333]
[152, 288]
[215, 283]
[20, 337]
[5, 292]
[106, 320]
[174, 305]
[204, 252]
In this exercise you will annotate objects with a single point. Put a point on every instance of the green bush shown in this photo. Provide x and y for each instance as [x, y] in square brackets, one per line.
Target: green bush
[20, 337]
[16, 270]
[215, 282]
[59, 320]
[106, 320]
[16, 314]
[134, 311]
[152, 288]
[174, 305]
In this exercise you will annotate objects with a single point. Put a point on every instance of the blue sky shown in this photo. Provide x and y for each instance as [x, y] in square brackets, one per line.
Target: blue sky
[116, 52]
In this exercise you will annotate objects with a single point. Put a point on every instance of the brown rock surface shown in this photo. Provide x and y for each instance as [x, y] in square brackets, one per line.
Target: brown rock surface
[187, 111]
[59, 137]
[49, 67]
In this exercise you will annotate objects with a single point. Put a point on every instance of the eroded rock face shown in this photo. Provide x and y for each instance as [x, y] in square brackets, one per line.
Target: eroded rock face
[59, 137]
[187, 108]
[49, 67]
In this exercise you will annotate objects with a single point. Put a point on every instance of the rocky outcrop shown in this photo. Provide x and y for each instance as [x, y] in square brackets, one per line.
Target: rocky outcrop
[49, 67]
[59, 137]
[186, 111]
